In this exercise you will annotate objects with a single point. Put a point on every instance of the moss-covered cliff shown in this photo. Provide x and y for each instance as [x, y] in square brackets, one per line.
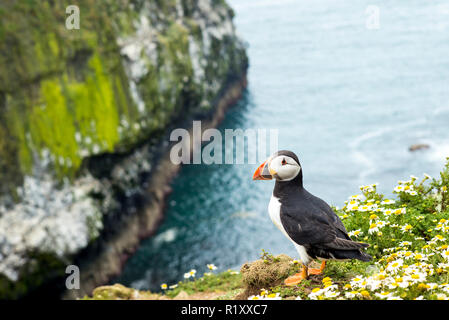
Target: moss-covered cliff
[131, 70]
[75, 84]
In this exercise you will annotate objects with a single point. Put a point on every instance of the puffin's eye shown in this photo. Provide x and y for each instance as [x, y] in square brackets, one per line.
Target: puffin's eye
[284, 162]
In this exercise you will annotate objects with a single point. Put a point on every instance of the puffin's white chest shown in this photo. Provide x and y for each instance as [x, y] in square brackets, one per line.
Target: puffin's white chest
[274, 209]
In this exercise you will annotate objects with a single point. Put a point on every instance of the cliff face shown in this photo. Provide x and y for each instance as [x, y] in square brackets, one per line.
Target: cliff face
[84, 112]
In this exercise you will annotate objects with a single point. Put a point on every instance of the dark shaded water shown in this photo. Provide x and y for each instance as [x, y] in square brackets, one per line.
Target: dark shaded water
[348, 100]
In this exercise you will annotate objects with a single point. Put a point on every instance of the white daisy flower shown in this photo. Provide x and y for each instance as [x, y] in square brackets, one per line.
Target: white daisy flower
[445, 255]
[406, 228]
[211, 266]
[355, 233]
[189, 274]
[384, 295]
[394, 266]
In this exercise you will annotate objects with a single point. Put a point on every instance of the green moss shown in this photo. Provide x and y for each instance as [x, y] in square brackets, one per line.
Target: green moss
[10, 151]
[194, 29]
[345, 270]
[65, 107]
[294, 291]
[95, 107]
[52, 115]
[18, 130]
[224, 281]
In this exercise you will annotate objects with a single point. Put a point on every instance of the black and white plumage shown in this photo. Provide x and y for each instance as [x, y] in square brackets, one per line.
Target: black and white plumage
[306, 220]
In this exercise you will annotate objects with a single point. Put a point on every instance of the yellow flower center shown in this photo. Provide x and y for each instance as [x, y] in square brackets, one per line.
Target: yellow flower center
[365, 293]
[423, 286]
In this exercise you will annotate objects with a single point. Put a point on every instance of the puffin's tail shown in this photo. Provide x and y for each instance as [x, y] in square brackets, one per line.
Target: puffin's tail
[347, 249]
[364, 256]
[352, 254]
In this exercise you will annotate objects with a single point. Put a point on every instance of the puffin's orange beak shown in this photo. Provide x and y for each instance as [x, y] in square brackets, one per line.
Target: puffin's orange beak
[262, 172]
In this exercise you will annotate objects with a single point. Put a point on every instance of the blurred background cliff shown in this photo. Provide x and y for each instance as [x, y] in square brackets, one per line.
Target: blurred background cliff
[84, 116]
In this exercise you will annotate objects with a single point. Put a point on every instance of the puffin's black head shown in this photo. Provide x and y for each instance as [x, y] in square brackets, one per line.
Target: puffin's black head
[282, 165]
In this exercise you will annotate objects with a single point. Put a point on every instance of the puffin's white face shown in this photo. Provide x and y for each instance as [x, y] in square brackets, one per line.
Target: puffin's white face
[283, 168]
[280, 167]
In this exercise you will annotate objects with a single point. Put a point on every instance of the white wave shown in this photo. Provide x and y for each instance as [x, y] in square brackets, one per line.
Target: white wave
[366, 163]
[379, 132]
[440, 110]
[166, 236]
[367, 159]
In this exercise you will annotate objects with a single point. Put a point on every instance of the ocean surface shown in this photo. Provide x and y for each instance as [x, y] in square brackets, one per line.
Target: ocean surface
[348, 98]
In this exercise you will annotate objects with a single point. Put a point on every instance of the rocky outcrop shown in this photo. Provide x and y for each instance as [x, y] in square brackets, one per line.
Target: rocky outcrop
[84, 121]
[418, 146]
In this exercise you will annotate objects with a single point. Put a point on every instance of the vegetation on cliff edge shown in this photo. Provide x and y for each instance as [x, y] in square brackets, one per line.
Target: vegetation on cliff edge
[409, 242]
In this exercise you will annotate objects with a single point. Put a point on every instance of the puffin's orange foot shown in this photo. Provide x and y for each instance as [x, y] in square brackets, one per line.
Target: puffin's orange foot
[296, 278]
[314, 271]
[318, 271]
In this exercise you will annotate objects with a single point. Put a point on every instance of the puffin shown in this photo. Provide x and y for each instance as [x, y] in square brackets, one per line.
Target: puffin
[306, 220]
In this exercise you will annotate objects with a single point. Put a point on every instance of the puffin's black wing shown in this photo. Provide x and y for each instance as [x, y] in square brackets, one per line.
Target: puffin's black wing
[334, 220]
[312, 226]
[307, 228]
[320, 239]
